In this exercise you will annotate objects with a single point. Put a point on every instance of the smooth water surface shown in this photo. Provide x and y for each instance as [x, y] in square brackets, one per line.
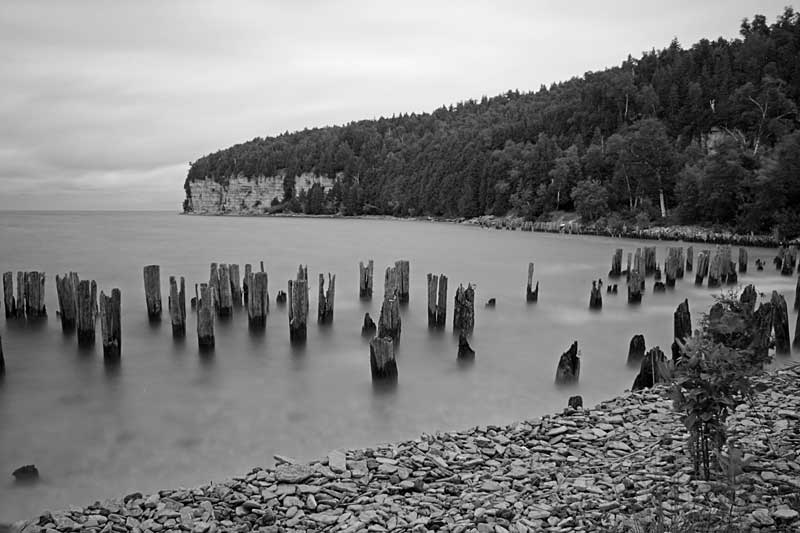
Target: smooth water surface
[168, 417]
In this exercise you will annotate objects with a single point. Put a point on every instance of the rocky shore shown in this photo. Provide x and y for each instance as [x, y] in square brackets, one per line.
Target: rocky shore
[620, 466]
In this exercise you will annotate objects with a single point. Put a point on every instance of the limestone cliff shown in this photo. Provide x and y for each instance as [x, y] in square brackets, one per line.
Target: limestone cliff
[244, 195]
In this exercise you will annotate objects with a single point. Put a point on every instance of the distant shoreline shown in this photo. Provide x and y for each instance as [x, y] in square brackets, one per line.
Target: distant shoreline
[693, 234]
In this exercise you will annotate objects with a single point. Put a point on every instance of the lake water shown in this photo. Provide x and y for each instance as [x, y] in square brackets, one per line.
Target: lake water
[168, 417]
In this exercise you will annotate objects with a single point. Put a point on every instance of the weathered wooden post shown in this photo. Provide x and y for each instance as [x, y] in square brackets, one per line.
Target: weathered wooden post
[213, 285]
[531, 293]
[111, 325]
[34, 295]
[742, 260]
[628, 268]
[325, 303]
[403, 271]
[280, 298]
[464, 310]
[638, 262]
[635, 287]
[369, 327]
[258, 302]
[762, 332]
[152, 291]
[248, 270]
[205, 318]
[671, 267]
[21, 296]
[437, 300]
[778, 260]
[616, 264]
[780, 323]
[390, 283]
[225, 292]
[298, 306]
[177, 307]
[236, 287]
[796, 343]
[748, 299]
[650, 260]
[797, 295]
[715, 270]
[655, 369]
[596, 297]
[682, 328]
[365, 280]
[85, 306]
[8, 295]
[381, 359]
[465, 351]
[66, 302]
[636, 349]
[759, 264]
[702, 267]
[681, 260]
[789, 261]
[196, 299]
[569, 366]
[727, 268]
[2, 360]
[389, 323]
[689, 258]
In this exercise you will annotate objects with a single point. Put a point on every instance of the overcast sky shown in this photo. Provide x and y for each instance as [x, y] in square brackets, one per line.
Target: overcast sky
[104, 103]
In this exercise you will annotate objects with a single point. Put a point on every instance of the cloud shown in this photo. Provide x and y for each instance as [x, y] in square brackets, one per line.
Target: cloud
[105, 103]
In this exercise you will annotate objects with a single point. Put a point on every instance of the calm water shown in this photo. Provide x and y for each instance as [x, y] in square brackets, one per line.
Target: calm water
[168, 417]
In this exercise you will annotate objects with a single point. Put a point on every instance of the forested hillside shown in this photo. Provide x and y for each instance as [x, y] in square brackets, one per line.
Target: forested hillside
[707, 134]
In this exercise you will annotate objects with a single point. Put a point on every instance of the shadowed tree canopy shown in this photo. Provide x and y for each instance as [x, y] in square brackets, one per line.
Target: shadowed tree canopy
[664, 136]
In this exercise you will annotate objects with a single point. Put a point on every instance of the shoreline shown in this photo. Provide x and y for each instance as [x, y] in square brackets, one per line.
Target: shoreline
[614, 467]
[690, 234]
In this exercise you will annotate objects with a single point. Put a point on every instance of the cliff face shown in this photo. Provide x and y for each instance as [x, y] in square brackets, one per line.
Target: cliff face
[244, 195]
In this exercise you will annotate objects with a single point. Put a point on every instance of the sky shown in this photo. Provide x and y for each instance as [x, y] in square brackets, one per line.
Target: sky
[103, 105]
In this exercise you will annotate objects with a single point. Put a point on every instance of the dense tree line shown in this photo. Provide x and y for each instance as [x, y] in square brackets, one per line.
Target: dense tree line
[705, 135]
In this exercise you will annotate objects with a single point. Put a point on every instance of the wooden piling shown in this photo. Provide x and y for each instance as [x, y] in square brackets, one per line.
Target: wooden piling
[8, 295]
[236, 287]
[569, 366]
[403, 272]
[795, 344]
[628, 268]
[762, 332]
[616, 264]
[2, 360]
[682, 328]
[702, 267]
[715, 269]
[531, 293]
[789, 261]
[34, 295]
[689, 258]
[635, 288]
[655, 369]
[381, 359]
[748, 299]
[780, 323]
[87, 291]
[742, 260]
[365, 279]
[596, 296]
[213, 285]
[797, 295]
[390, 282]
[671, 267]
[465, 351]
[778, 260]
[681, 260]
[21, 297]
[638, 261]
[369, 327]
[225, 293]
[280, 298]
[248, 270]
[258, 301]
[111, 324]
[177, 307]
[437, 300]
[464, 310]
[152, 291]
[298, 306]
[66, 302]
[636, 349]
[650, 263]
[325, 303]
[389, 323]
[205, 318]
